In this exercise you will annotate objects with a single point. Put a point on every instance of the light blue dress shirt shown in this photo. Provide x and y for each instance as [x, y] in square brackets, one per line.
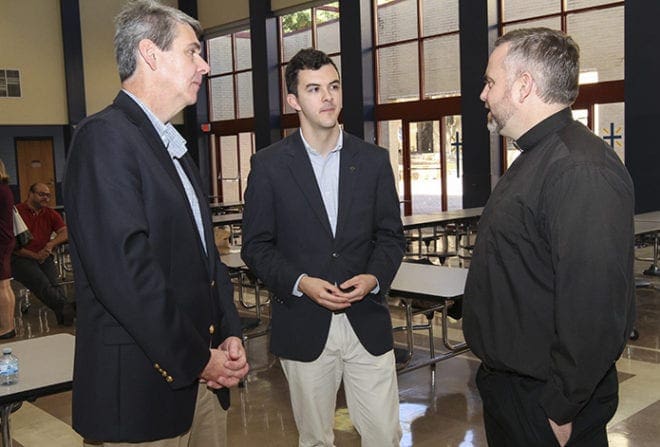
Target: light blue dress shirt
[176, 147]
[326, 171]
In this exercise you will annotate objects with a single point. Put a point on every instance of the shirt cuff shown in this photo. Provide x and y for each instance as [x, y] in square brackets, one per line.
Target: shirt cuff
[296, 291]
[376, 289]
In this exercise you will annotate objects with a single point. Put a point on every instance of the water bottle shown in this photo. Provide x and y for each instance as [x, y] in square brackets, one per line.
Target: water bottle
[8, 367]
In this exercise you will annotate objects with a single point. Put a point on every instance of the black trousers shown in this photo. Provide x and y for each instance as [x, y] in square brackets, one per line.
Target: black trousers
[513, 416]
[41, 279]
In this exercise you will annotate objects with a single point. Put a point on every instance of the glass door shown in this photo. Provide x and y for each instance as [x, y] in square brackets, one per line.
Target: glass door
[453, 147]
[427, 160]
[231, 165]
[426, 167]
[609, 125]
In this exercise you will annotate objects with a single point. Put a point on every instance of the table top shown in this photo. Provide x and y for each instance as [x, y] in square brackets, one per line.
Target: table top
[232, 260]
[225, 204]
[646, 227]
[652, 216]
[45, 367]
[220, 206]
[424, 280]
[421, 220]
[227, 219]
[409, 222]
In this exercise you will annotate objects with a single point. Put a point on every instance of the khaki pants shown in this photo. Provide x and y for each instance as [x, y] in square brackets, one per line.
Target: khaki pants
[209, 427]
[370, 384]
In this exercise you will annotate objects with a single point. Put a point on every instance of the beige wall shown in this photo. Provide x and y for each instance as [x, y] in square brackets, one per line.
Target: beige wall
[276, 5]
[213, 13]
[97, 32]
[31, 37]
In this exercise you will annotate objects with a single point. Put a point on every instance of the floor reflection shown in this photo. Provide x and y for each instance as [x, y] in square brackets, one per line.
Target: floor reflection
[408, 414]
[441, 409]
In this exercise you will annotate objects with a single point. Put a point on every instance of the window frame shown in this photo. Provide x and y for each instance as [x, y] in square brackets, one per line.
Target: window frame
[589, 95]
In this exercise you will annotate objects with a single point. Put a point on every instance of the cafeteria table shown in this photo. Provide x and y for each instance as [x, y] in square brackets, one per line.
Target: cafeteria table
[436, 284]
[45, 367]
[648, 224]
[418, 222]
[232, 220]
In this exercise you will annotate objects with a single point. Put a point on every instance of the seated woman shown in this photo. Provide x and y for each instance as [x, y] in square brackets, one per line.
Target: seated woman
[7, 242]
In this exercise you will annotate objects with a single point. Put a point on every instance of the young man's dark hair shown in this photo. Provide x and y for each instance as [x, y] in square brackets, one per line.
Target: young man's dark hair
[305, 59]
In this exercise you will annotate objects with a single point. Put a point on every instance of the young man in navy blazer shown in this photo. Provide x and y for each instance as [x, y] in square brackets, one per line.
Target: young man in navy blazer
[157, 330]
[322, 229]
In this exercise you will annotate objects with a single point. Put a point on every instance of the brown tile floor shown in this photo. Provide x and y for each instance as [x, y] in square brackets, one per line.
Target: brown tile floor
[441, 408]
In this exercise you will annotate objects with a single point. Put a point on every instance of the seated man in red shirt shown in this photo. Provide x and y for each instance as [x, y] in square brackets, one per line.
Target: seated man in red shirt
[33, 265]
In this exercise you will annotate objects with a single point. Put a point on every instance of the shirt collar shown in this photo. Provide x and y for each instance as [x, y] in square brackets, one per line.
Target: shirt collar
[311, 151]
[172, 139]
[549, 125]
[32, 210]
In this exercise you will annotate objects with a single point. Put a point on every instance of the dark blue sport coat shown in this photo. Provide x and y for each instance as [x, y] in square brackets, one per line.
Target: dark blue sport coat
[286, 232]
[150, 301]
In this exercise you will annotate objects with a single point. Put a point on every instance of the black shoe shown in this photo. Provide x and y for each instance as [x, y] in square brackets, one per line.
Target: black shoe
[65, 315]
[8, 335]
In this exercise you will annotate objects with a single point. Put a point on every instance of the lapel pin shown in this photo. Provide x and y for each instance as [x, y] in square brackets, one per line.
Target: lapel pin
[352, 168]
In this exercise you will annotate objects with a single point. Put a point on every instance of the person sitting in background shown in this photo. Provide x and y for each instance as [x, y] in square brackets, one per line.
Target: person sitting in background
[7, 242]
[33, 265]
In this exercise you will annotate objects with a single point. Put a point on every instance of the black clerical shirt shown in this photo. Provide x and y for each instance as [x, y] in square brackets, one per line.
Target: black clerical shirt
[550, 291]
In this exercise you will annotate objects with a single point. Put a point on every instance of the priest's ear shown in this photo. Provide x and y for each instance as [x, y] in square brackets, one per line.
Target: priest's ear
[524, 86]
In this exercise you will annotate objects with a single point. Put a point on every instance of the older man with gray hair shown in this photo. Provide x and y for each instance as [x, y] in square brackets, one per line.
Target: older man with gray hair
[158, 337]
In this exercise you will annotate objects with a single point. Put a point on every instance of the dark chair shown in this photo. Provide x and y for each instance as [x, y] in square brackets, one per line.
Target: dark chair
[434, 240]
[245, 279]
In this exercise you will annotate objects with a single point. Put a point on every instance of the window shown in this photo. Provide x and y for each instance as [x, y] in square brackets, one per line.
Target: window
[231, 111]
[10, 84]
[418, 107]
[308, 28]
[230, 78]
[597, 27]
[417, 50]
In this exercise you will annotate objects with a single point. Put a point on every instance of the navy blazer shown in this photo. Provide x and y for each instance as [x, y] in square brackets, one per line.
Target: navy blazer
[150, 301]
[286, 232]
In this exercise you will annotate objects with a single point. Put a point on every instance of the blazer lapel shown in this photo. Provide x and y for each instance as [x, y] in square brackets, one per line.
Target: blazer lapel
[162, 157]
[348, 172]
[138, 117]
[303, 173]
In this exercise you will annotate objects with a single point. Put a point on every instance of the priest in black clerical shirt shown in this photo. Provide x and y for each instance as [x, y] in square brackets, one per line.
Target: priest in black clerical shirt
[549, 299]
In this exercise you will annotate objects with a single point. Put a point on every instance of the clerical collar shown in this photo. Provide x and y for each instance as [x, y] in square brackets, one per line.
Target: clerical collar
[549, 125]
